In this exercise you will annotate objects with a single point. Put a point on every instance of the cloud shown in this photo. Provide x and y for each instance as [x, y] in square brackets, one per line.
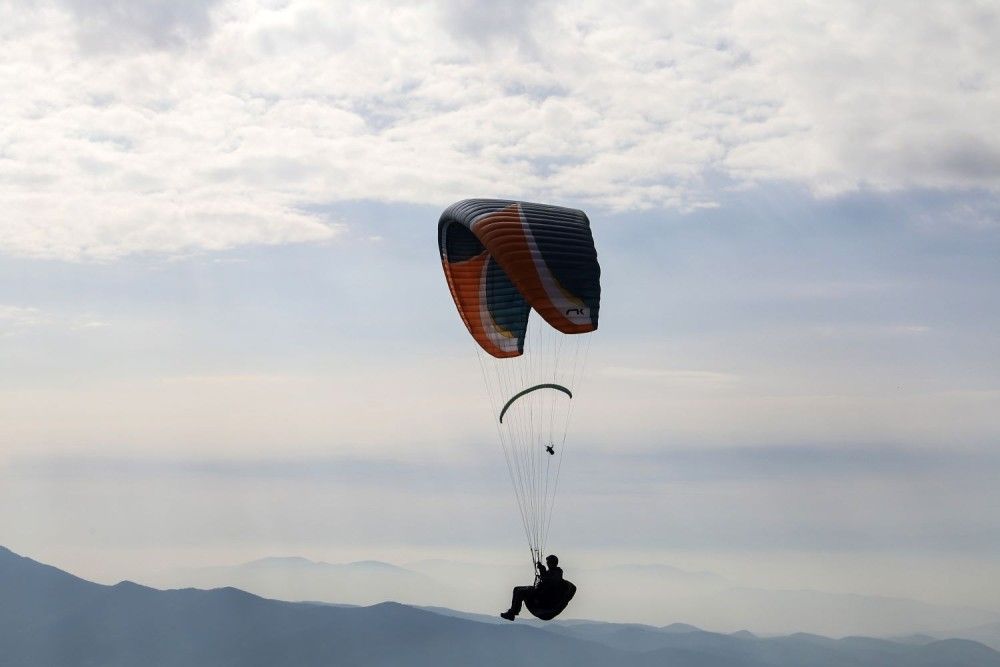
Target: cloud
[802, 462]
[629, 472]
[90, 324]
[977, 214]
[672, 375]
[342, 471]
[804, 497]
[15, 318]
[122, 25]
[175, 127]
[865, 331]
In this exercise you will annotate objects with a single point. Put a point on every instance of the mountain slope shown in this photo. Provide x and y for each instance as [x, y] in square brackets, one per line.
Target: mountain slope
[294, 579]
[51, 618]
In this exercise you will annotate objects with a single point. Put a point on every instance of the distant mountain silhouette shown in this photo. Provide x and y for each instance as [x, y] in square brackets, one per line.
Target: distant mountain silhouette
[295, 579]
[52, 618]
[679, 627]
[666, 572]
[305, 563]
[849, 613]
[702, 598]
[988, 634]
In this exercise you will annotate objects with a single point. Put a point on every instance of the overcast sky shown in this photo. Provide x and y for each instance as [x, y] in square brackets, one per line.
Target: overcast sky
[224, 332]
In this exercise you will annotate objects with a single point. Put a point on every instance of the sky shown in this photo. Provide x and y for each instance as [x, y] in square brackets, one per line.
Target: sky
[224, 331]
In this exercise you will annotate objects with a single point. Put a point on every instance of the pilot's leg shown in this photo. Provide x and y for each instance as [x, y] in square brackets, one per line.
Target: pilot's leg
[520, 596]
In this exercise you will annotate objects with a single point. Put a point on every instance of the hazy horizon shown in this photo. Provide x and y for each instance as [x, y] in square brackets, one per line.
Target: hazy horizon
[670, 597]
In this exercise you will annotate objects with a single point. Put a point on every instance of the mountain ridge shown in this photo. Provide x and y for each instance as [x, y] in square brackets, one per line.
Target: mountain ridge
[53, 618]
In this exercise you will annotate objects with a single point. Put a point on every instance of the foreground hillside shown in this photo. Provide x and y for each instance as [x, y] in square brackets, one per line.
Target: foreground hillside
[52, 618]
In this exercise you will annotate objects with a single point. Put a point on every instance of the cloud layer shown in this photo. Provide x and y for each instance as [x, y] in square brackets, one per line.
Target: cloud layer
[171, 127]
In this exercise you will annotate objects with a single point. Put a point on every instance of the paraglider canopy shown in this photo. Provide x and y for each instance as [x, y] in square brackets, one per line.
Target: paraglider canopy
[503, 260]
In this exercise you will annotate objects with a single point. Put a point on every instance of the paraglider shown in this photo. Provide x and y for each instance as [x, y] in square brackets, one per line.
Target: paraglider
[547, 598]
[504, 260]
